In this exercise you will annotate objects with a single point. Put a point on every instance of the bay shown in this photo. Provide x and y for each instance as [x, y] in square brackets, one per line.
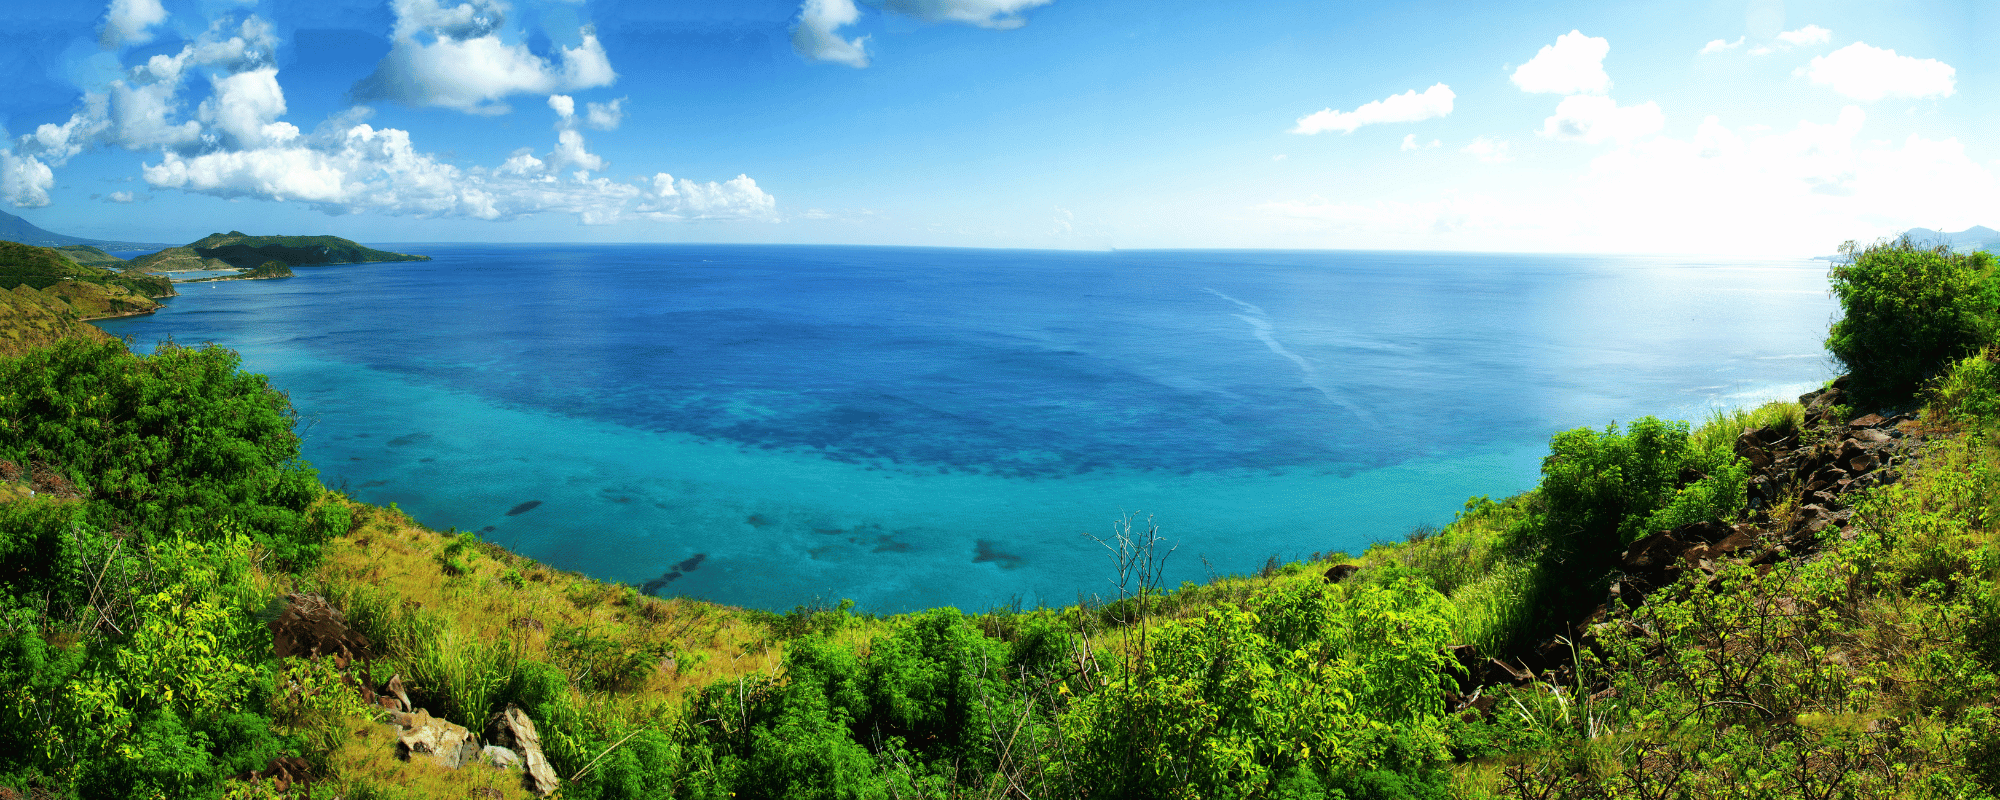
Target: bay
[909, 427]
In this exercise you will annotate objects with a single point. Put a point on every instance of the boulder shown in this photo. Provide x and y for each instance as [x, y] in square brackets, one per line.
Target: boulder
[444, 743]
[511, 728]
[1341, 572]
[500, 757]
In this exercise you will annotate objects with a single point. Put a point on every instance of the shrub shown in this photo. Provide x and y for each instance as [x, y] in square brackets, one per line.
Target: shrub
[176, 441]
[1909, 311]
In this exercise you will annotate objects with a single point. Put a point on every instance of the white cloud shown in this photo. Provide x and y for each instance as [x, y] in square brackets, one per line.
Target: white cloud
[349, 168]
[605, 116]
[817, 33]
[1000, 14]
[140, 110]
[1871, 73]
[569, 152]
[1810, 34]
[1406, 107]
[1719, 45]
[738, 198]
[129, 21]
[1575, 63]
[245, 107]
[1410, 143]
[1592, 119]
[1491, 151]
[453, 57]
[236, 146]
[24, 180]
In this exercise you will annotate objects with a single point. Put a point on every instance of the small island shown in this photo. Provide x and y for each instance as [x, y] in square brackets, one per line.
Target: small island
[261, 257]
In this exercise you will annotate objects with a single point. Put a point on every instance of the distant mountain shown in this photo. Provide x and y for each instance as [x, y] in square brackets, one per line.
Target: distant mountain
[15, 229]
[1977, 237]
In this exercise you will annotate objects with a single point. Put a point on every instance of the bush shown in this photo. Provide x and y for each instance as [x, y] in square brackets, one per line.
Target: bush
[176, 441]
[1909, 311]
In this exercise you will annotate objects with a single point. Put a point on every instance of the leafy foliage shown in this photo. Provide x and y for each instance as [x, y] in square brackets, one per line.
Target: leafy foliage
[1909, 311]
[176, 441]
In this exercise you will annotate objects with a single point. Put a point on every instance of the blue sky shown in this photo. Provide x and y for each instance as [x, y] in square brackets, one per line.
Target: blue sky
[1755, 128]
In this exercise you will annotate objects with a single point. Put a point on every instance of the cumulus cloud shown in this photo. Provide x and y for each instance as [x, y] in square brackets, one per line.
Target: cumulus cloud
[130, 22]
[605, 116]
[453, 57]
[1719, 45]
[235, 143]
[245, 107]
[1592, 119]
[1000, 14]
[737, 198]
[1406, 107]
[817, 33]
[1410, 143]
[350, 167]
[1872, 73]
[24, 180]
[141, 110]
[1574, 64]
[1491, 151]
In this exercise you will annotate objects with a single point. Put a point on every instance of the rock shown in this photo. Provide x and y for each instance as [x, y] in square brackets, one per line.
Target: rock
[511, 728]
[496, 756]
[1863, 463]
[1868, 436]
[1868, 421]
[444, 743]
[394, 688]
[1341, 572]
[309, 627]
[284, 773]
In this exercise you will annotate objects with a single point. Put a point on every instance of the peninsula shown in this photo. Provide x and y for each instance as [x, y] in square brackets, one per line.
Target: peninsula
[256, 254]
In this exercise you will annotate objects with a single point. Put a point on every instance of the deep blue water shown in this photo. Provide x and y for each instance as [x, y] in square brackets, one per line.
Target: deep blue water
[911, 427]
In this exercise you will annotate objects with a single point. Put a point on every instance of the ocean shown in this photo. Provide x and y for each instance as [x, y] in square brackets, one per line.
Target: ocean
[772, 426]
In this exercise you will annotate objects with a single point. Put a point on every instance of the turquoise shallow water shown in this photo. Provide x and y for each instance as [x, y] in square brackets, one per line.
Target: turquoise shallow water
[913, 427]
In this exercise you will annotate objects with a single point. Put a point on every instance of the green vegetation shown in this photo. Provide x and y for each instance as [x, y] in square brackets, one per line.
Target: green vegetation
[1910, 311]
[170, 514]
[90, 256]
[41, 268]
[237, 250]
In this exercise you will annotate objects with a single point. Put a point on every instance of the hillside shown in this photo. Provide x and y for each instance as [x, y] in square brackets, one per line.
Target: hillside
[90, 256]
[16, 229]
[236, 250]
[47, 296]
[41, 267]
[1798, 600]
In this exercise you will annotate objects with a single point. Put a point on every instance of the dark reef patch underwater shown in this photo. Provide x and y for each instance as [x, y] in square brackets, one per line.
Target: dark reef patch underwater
[913, 427]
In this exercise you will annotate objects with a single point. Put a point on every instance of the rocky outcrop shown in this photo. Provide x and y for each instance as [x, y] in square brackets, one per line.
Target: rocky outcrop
[512, 729]
[1802, 484]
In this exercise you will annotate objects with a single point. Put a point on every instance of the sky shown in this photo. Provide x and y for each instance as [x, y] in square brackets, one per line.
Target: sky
[1755, 128]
